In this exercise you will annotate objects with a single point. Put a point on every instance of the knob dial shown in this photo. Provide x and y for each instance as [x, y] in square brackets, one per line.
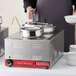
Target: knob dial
[9, 62]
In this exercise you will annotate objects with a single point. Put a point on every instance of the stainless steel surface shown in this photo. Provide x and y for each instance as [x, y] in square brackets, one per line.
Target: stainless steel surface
[42, 49]
[36, 24]
[32, 14]
[3, 35]
[44, 28]
[31, 32]
[47, 28]
[34, 33]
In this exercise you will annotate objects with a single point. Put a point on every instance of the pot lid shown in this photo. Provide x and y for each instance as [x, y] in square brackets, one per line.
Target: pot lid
[31, 28]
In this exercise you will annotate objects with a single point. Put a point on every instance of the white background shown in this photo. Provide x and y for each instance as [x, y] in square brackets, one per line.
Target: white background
[9, 9]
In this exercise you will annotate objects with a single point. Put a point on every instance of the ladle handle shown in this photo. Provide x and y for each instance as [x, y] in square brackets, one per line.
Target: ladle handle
[32, 14]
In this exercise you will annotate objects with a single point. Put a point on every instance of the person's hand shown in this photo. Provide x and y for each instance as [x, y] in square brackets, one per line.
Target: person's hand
[74, 13]
[29, 9]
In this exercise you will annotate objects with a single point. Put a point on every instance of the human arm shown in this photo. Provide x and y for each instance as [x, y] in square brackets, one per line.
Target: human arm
[29, 5]
[74, 3]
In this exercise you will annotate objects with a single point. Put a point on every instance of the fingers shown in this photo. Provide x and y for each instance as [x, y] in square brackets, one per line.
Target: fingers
[29, 9]
[74, 13]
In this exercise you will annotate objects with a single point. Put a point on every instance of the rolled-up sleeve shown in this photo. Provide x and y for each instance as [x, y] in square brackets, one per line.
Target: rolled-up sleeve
[29, 3]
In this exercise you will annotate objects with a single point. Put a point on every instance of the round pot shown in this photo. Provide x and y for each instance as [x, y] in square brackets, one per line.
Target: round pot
[47, 28]
[31, 32]
[35, 24]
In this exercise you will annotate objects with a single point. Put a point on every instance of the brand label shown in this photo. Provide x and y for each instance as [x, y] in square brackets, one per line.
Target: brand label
[42, 64]
[29, 63]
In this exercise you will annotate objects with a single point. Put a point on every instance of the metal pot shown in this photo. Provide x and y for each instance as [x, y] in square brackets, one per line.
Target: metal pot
[47, 28]
[35, 24]
[31, 32]
[34, 29]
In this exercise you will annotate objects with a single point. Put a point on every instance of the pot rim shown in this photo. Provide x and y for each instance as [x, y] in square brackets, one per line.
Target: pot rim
[30, 28]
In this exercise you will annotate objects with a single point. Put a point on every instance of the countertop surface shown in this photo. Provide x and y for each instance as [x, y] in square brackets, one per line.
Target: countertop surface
[61, 68]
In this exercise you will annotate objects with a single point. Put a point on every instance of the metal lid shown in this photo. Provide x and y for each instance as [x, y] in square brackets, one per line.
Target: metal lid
[31, 28]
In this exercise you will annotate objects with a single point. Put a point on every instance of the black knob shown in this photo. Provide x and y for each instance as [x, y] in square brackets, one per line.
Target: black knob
[9, 62]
